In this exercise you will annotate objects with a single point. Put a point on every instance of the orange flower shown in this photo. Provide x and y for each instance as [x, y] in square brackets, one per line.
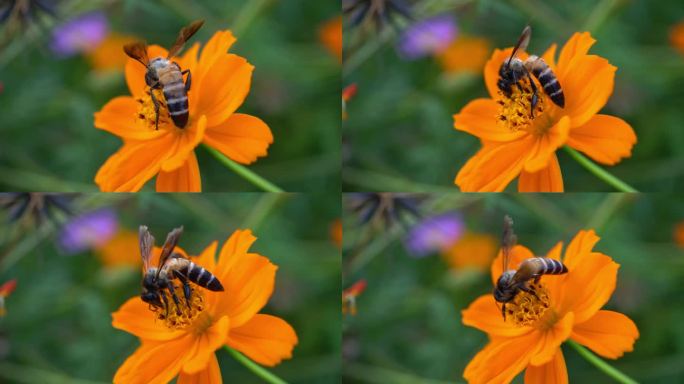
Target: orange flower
[120, 250]
[516, 144]
[565, 307]
[677, 37]
[679, 233]
[349, 296]
[186, 344]
[465, 54]
[330, 34]
[108, 55]
[220, 83]
[474, 250]
[336, 232]
[5, 290]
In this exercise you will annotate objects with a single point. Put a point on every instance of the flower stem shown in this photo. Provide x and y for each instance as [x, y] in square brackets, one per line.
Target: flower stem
[602, 365]
[255, 368]
[599, 172]
[244, 172]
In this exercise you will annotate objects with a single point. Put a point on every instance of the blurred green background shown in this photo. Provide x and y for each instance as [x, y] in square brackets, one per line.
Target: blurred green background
[47, 103]
[409, 330]
[58, 323]
[400, 137]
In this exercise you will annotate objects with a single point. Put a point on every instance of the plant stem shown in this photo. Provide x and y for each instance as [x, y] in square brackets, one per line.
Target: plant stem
[602, 365]
[599, 172]
[255, 368]
[244, 172]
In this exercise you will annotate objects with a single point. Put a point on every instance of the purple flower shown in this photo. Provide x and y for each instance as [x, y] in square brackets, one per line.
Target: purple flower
[427, 37]
[81, 34]
[434, 233]
[88, 231]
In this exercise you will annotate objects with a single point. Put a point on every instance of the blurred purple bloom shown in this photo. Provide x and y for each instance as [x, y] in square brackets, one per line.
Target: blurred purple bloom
[427, 37]
[81, 34]
[434, 233]
[88, 231]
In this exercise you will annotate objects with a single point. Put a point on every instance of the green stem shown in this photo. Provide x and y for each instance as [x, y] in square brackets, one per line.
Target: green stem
[244, 172]
[599, 172]
[255, 368]
[602, 365]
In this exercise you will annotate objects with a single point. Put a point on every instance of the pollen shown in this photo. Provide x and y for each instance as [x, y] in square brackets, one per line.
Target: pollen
[528, 308]
[182, 315]
[147, 114]
[515, 113]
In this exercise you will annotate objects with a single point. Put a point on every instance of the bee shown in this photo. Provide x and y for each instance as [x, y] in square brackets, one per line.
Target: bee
[164, 74]
[511, 281]
[514, 69]
[171, 266]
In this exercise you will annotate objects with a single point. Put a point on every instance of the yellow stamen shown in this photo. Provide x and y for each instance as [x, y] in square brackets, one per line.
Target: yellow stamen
[180, 316]
[529, 308]
[147, 114]
[516, 113]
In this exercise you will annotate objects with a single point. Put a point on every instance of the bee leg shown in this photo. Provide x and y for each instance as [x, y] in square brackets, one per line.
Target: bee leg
[535, 91]
[166, 303]
[172, 289]
[186, 287]
[530, 291]
[156, 109]
[188, 81]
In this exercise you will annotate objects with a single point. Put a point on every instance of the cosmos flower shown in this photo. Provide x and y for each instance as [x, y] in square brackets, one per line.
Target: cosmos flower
[220, 83]
[565, 307]
[5, 291]
[677, 37]
[678, 233]
[472, 250]
[81, 34]
[108, 55]
[515, 143]
[121, 250]
[89, 230]
[184, 345]
[349, 296]
[330, 34]
[427, 37]
[465, 54]
[336, 232]
[434, 234]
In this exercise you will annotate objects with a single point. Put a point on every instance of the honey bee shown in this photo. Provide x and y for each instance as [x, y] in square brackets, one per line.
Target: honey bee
[511, 281]
[171, 266]
[514, 69]
[164, 74]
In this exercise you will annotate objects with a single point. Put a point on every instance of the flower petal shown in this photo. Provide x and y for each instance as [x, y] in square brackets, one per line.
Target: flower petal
[517, 255]
[224, 87]
[552, 339]
[548, 179]
[494, 166]
[119, 117]
[265, 339]
[502, 359]
[606, 139]
[184, 179]
[581, 244]
[210, 375]
[553, 372]
[485, 315]
[608, 333]
[549, 56]
[186, 141]
[135, 71]
[135, 317]
[479, 118]
[206, 343]
[577, 45]
[545, 146]
[217, 46]
[242, 138]
[155, 362]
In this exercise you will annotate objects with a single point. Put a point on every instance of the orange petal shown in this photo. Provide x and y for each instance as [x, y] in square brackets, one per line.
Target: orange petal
[608, 333]
[136, 162]
[237, 245]
[548, 179]
[501, 360]
[184, 179]
[485, 314]
[242, 138]
[119, 117]
[491, 69]
[189, 59]
[135, 72]
[493, 167]
[606, 139]
[577, 45]
[265, 339]
[581, 244]
[549, 56]
[155, 362]
[552, 339]
[210, 375]
[479, 118]
[216, 47]
[135, 317]
[582, 101]
[206, 343]
[517, 255]
[186, 141]
[545, 146]
[224, 88]
[553, 372]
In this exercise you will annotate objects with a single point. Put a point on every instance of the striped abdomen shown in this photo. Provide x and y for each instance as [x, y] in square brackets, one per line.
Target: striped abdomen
[175, 95]
[202, 277]
[547, 79]
[546, 266]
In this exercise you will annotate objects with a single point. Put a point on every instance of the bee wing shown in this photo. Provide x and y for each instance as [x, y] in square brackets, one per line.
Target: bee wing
[508, 240]
[146, 245]
[137, 51]
[184, 35]
[170, 243]
[522, 42]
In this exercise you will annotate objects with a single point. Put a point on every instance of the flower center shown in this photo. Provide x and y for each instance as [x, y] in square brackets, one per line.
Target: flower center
[530, 308]
[182, 315]
[516, 111]
[147, 114]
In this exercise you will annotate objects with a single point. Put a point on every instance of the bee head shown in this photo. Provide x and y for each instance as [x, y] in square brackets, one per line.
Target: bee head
[504, 292]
